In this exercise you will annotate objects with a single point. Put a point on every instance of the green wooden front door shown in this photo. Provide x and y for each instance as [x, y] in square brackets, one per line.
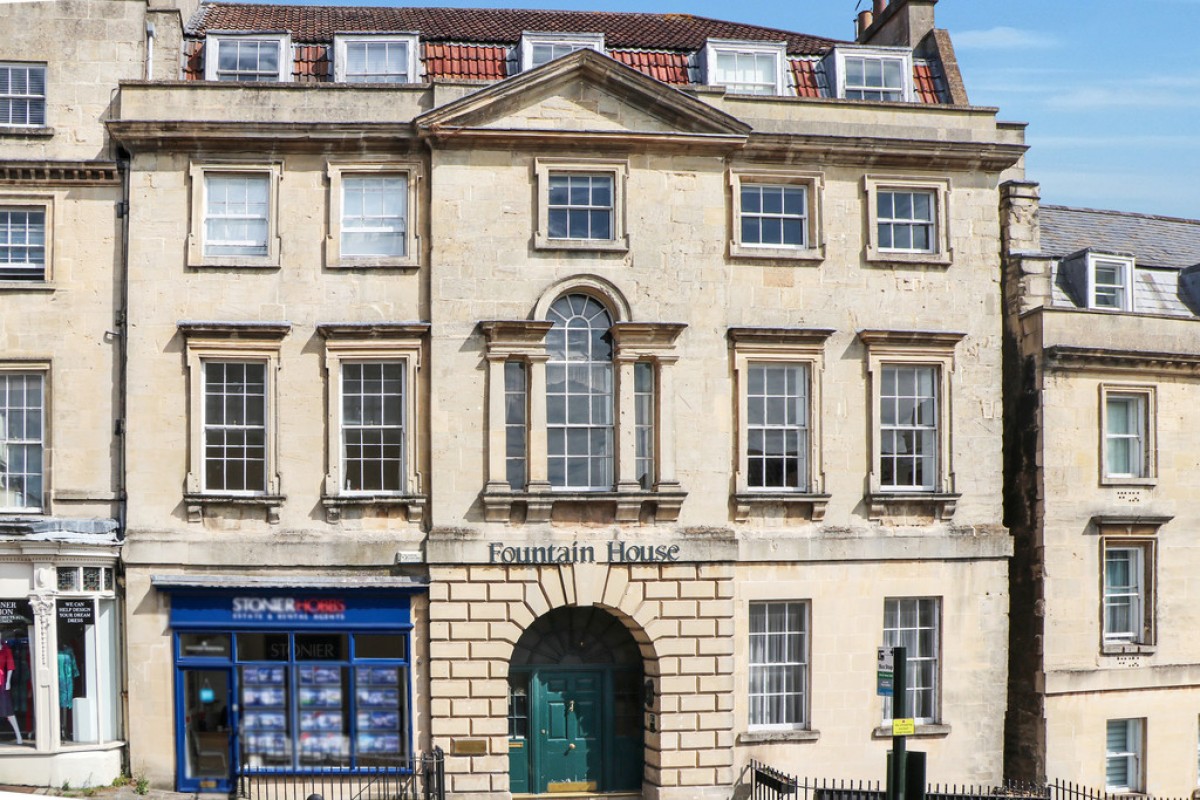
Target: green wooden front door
[569, 738]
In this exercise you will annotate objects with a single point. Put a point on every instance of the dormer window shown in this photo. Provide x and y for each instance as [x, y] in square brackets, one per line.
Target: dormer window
[1110, 282]
[542, 48]
[384, 58]
[876, 74]
[745, 67]
[248, 57]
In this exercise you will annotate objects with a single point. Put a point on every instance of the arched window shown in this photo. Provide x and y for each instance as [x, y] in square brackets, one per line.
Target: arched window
[579, 394]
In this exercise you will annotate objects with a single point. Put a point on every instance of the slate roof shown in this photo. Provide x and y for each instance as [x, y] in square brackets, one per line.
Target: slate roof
[1153, 241]
[313, 24]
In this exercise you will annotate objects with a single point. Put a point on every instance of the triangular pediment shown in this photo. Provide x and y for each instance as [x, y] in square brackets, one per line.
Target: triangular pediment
[582, 93]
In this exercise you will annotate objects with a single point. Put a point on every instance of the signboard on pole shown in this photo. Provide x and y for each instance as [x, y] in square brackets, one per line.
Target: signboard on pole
[884, 672]
[904, 727]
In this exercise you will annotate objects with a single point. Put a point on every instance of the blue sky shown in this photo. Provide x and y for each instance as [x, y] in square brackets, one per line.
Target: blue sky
[1110, 88]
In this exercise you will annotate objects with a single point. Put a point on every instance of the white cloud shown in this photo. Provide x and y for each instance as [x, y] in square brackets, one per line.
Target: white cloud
[1003, 38]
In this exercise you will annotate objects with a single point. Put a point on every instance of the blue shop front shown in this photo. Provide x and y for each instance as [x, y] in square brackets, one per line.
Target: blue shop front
[289, 680]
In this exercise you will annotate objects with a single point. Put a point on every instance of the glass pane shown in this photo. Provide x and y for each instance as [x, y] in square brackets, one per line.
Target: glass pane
[266, 716]
[207, 728]
[262, 647]
[379, 646]
[204, 645]
[324, 708]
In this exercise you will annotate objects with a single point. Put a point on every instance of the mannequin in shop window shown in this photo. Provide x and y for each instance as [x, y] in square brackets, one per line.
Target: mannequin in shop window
[68, 671]
[8, 665]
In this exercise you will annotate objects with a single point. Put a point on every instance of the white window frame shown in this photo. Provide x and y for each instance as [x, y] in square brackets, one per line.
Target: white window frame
[794, 610]
[835, 63]
[214, 40]
[576, 41]
[40, 369]
[777, 51]
[911, 658]
[1144, 439]
[1125, 268]
[940, 251]
[813, 248]
[337, 174]
[1139, 594]
[1133, 753]
[197, 238]
[33, 202]
[28, 97]
[201, 351]
[338, 353]
[341, 61]
[618, 171]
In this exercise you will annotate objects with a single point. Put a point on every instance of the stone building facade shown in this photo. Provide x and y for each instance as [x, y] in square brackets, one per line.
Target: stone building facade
[588, 395]
[1101, 321]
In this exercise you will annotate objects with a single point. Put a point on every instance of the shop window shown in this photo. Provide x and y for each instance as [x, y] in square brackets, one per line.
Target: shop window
[16, 674]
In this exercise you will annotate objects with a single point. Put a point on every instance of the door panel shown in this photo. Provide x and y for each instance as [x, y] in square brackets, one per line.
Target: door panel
[207, 747]
[570, 751]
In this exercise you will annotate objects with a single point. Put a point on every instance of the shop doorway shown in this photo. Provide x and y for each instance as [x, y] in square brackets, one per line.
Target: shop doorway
[207, 742]
[575, 705]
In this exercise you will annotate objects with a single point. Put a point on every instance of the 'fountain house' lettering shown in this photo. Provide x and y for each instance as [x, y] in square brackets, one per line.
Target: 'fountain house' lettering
[618, 553]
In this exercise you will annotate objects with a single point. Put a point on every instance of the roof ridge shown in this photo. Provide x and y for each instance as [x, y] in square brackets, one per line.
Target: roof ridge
[1112, 212]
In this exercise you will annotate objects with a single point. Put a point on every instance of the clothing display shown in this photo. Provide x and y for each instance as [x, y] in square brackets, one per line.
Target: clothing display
[67, 673]
[7, 666]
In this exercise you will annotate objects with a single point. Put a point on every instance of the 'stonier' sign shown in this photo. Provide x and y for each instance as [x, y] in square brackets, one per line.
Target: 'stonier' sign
[575, 553]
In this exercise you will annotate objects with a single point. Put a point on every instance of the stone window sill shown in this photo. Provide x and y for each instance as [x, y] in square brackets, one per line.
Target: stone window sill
[620, 245]
[236, 263]
[885, 258]
[942, 503]
[927, 731]
[413, 504]
[32, 132]
[1128, 649]
[751, 252]
[197, 502]
[627, 507]
[745, 502]
[26, 286]
[781, 736]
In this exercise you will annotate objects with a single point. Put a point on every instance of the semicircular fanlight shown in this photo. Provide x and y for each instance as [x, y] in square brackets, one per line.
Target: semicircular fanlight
[575, 635]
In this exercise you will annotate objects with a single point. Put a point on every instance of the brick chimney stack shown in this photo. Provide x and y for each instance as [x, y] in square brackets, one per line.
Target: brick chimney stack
[900, 23]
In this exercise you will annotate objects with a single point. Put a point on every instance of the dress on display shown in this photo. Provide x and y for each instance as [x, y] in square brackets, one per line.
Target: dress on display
[7, 665]
[67, 673]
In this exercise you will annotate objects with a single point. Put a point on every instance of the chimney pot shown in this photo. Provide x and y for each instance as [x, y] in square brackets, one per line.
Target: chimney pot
[880, 5]
[865, 18]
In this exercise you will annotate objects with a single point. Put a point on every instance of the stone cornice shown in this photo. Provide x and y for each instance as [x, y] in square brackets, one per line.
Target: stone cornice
[876, 339]
[138, 135]
[60, 173]
[1071, 357]
[643, 335]
[273, 331]
[516, 336]
[879, 151]
[779, 336]
[372, 330]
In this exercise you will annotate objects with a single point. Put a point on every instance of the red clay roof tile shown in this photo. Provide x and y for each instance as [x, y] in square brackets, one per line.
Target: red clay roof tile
[669, 68]
[804, 75]
[493, 25]
[925, 84]
[465, 61]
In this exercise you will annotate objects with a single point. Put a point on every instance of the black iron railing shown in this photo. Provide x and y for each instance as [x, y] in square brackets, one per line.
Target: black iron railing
[385, 779]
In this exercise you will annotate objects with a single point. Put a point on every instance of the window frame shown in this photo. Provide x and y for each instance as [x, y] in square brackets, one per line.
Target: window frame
[1137, 727]
[1145, 396]
[578, 41]
[940, 252]
[337, 172]
[44, 203]
[1126, 266]
[804, 668]
[197, 237]
[28, 98]
[212, 71]
[546, 168]
[837, 60]
[813, 184]
[341, 62]
[938, 629]
[1144, 570]
[41, 369]
[713, 48]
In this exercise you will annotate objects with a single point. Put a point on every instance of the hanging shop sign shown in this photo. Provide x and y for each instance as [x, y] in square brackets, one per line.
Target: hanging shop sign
[17, 613]
[316, 610]
[76, 612]
[575, 553]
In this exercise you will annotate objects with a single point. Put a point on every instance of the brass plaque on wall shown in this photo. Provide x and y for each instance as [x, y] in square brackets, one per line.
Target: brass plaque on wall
[469, 747]
[571, 786]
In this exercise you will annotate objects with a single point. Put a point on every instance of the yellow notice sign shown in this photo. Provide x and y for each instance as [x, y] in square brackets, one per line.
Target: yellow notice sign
[904, 727]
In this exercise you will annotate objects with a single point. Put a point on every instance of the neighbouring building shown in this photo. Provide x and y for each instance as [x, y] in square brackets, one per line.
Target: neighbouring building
[1103, 362]
[61, 235]
[586, 394]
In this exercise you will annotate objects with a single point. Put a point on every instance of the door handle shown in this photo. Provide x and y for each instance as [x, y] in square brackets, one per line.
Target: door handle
[571, 707]
[571, 746]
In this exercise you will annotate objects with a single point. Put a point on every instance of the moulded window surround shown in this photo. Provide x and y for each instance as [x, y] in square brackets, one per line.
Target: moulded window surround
[581, 205]
[376, 58]
[538, 48]
[24, 437]
[373, 215]
[871, 73]
[1127, 434]
[248, 57]
[372, 379]
[778, 374]
[907, 220]
[915, 624]
[22, 95]
[1110, 282]
[233, 452]
[26, 240]
[1124, 761]
[776, 215]
[744, 67]
[235, 211]
[779, 660]
[911, 400]
[1128, 592]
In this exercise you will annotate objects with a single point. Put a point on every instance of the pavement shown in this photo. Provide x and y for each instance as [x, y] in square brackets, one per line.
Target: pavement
[126, 792]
